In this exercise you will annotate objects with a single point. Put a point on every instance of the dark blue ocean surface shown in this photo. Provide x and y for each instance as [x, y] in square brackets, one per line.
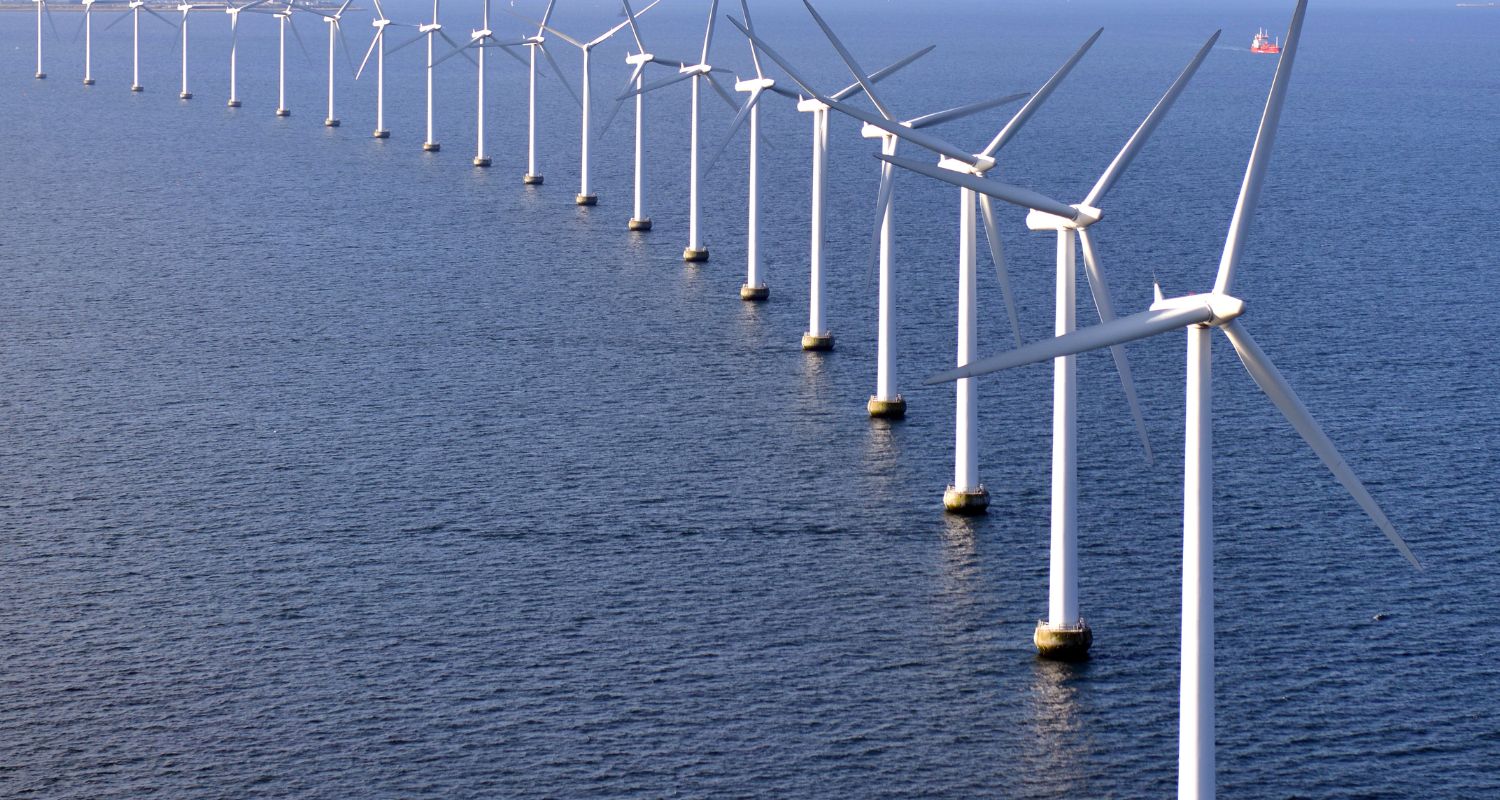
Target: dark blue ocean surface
[330, 468]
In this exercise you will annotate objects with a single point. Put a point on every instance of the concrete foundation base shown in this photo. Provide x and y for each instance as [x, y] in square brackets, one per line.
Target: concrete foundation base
[895, 408]
[184, 95]
[330, 123]
[136, 87]
[586, 199]
[41, 76]
[1063, 643]
[431, 147]
[481, 161]
[690, 254]
[817, 341]
[531, 180]
[88, 81]
[283, 112]
[233, 104]
[382, 134]
[755, 293]
[966, 501]
[640, 224]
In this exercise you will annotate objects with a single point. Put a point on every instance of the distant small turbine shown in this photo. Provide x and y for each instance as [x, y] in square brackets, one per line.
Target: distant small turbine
[639, 220]
[480, 40]
[184, 8]
[41, 8]
[335, 36]
[88, 42]
[1200, 314]
[136, 6]
[284, 22]
[817, 336]
[428, 31]
[537, 43]
[377, 45]
[234, 41]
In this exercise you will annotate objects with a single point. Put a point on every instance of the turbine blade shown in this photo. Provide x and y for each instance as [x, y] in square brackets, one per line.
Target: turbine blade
[614, 109]
[456, 46]
[734, 127]
[1148, 126]
[848, 58]
[997, 254]
[708, 33]
[1274, 384]
[413, 40]
[301, 45]
[635, 29]
[374, 40]
[784, 92]
[561, 77]
[118, 19]
[882, 207]
[170, 23]
[882, 74]
[1122, 330]
[1260, 156]
[546, 15]
[1099, 288]
[340, 12]
[1024, 115]
[456, 50]
[963, 111]
[344, 44]
[506, 49]
[616, 29]
[563, 36]
[52, 23]
[723, 93]
[1015, 195]
[654, 85]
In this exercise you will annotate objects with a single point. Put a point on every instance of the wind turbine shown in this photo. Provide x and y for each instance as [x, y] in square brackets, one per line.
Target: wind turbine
[88, 42]
[136, 6]
[377, 45]
[754, 287]
[699, 72]
[234, 40]
[817, 336]
[185, 8]
[639, 221]
[335, 35]
[283, 22]
[537, 43]
[41, 7]
[427, 31]
[480, 40]
[966, 495]
[1065, 635]
[1200, 314]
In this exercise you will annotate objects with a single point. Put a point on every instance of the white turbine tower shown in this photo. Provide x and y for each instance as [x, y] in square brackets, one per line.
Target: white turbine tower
[88, 42]
[585, 196]
[284, 22]
[428, 31]
[639, 220]
[136, 6]
[537, 43]
[335, 36]
[818, 336]
[185, 9]
[480, 40]
[234, 12]
[41, 8]
[1064, 634]
[1200, 314]
[377, 45]
[755, 287]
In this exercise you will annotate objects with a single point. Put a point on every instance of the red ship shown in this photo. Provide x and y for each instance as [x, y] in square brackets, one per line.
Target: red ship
[1262, 43]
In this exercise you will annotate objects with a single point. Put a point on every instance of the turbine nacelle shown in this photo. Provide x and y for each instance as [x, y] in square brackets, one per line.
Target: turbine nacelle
[1042, 221]
[481, 33]
[695, 69]
[379, 24]
[811, 104]
[429, 27]
[979, 164]
[754, 84]
[640, 58]
[1222, 308]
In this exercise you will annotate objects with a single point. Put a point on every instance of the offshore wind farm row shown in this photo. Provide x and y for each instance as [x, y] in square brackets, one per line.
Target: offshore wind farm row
[1064, 634]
